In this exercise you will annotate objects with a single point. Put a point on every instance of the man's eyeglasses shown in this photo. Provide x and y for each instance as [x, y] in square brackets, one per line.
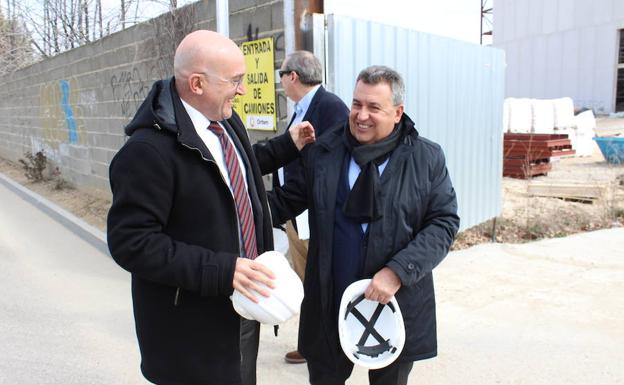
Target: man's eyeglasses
[236, 82]
[284, 72]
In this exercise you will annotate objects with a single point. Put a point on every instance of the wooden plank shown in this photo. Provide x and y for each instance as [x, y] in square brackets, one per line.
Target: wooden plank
[537, 143]
[570, 191]
[564, 152]
[509, 162]
[524, 172]
[535, 136]
[527, 155]
[535, 155]
[547, 140]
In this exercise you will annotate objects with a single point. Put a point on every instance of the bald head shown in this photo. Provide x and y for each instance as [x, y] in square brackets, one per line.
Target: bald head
[202, 51]
[209, 70]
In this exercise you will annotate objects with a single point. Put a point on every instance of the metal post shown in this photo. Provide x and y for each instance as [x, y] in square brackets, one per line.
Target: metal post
[486, 17]
[494, 230]
[482, 16]
[318, 41]
[223, 17]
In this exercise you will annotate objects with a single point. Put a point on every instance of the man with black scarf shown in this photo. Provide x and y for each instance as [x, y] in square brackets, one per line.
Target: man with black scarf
[382, 206]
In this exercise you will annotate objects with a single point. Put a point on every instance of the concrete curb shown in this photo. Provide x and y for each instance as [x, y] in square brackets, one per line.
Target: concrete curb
[82, 229]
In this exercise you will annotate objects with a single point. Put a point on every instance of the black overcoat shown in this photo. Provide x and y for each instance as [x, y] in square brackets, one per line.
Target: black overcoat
[173, 225]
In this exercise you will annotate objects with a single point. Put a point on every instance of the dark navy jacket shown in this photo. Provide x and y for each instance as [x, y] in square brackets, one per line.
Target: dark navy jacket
[418, 224]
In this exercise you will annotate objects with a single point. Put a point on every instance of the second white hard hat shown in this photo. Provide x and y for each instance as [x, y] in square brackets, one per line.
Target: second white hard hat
[372, 335]
[285, 299]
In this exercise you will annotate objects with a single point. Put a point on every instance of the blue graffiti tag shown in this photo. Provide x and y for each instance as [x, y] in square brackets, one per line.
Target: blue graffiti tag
[69, 114]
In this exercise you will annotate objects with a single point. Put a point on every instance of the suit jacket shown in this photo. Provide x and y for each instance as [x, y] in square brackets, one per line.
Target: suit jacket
[326, 110]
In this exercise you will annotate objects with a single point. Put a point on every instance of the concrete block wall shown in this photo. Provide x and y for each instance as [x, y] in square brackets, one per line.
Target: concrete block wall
[74, 105]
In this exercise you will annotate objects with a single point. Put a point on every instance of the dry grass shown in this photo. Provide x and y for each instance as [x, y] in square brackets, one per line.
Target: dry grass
[89, 206]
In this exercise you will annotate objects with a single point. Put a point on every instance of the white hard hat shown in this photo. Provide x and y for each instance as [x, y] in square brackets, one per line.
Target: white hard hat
[372, 335]
[285, 299]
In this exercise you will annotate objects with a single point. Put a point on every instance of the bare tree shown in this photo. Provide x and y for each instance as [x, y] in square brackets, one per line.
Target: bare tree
[98, 19]
[123, 14]
[59, 25]
[169, 32]
[15, 48]
[85, 9]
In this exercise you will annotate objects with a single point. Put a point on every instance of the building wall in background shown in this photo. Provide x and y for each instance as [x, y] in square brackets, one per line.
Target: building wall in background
[74, 105]
[561, 48]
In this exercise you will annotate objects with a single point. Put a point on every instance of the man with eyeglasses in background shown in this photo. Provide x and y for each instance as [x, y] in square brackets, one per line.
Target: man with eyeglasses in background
[301, 76]
[189, 215]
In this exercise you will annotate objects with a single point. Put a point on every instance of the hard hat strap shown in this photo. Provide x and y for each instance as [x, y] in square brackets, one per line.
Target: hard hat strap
[374, 351]
[369, 326]
[369, 329]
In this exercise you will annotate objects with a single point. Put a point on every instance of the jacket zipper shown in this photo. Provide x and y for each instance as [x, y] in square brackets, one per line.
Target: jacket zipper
[177, 294]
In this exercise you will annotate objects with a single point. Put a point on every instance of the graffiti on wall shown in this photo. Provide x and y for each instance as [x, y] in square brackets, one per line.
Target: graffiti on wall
[131, 87]
[60, 115]
[69, 113]
[279, 43]
[250, 35]
[253, 33]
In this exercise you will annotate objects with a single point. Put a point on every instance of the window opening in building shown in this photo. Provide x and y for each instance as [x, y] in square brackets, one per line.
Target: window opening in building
[619, 93]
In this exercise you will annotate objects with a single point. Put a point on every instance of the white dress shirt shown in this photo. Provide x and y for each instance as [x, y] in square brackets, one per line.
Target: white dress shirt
[211, 140]
[301, 109]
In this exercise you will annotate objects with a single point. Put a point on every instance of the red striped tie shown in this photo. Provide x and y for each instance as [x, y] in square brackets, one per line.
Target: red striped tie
[241, 198]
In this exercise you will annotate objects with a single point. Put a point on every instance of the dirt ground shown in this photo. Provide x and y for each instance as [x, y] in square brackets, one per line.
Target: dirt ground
[524, 217]
[90, 207]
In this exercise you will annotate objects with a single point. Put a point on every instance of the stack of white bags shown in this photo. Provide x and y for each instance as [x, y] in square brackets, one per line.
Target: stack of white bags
[551, 116]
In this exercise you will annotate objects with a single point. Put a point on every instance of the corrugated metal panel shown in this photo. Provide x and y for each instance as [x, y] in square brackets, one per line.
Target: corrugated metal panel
[454, 94]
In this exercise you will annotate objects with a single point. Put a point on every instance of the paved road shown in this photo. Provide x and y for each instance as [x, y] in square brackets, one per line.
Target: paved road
[544, 313]
[66, 315]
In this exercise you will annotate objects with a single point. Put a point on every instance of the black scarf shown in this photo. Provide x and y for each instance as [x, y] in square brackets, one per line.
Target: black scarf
[363, 203]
